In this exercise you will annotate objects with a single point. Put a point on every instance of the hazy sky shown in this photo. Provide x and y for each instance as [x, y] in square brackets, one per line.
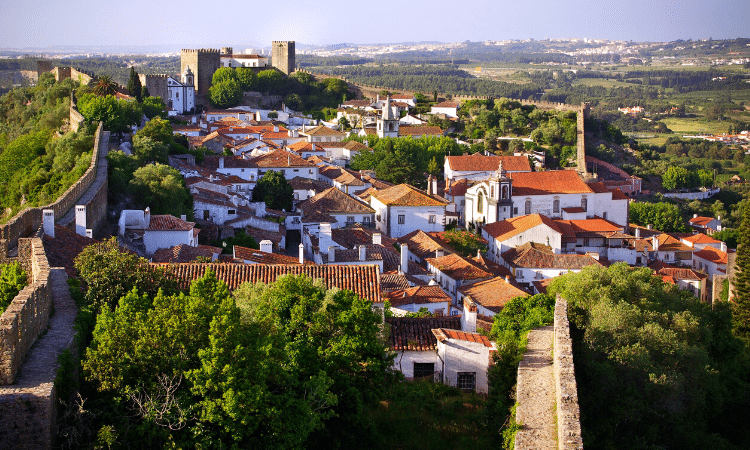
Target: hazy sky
[189, 23]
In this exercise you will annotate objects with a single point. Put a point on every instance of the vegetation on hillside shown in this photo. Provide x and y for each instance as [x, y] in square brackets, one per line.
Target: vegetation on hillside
[12, 280]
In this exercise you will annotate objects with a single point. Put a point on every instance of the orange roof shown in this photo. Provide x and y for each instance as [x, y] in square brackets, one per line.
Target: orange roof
[479, 162]
[619, 195]
[418, 295]
[700, 238]
[406, 195]
[168, 222]
[446, 105]
[443, 334]
[492, 294]
[419, 130]
[701, 221]
[548, 182]
[508, 228]
[423, 244]
[540, 256]
[409, 333]
[669, 243]
[712, 255]
[458, 267]
[280, 158]
[322, 130]
[251, 254]
[363, 280]
[334, 201]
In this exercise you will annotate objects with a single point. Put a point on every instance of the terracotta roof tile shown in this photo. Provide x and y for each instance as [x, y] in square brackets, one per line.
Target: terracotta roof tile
[492, 294]
[333, 201]
[322, 130]
[548, 182]
[712, 255]
[540, 256]
[508, 228]
[481, 163]
[459, 268]
[167, 222]
[419, 130]
[422, 244]
[418, 295]
[259, 257]
[184, 253]
[280, 158]
[406, 195]
[390, 282]
[63, 249]
[676, 273]
[700, 238]
[416, 333]
[700, 221]
[364, 280]
[443, 334]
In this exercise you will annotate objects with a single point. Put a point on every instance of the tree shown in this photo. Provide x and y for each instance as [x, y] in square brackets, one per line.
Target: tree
[104, 86]
[433, 167]
[12, 280]
[134, 85]
[159, 130]
[223, 74]
[161, 188]
[247, 78]
[117, 115]
[225, 94]
[663, 216]
[148, 150]
[110, 272]
[464, 242]
[741, 281]
[153, 107]
[274, 190]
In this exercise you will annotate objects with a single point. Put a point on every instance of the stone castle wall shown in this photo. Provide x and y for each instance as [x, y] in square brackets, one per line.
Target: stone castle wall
[27, 315]
[566, 390]
[203, 63]
[30, 219]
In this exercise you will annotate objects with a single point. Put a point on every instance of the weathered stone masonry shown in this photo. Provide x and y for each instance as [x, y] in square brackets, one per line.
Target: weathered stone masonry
[568, 413]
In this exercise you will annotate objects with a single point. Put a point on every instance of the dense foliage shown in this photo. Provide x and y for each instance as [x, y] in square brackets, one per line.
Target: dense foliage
[464, 242]
[656, 368]
[274, 190]
[663, 216]
[288, 365]
[741, 281]
[12, 280]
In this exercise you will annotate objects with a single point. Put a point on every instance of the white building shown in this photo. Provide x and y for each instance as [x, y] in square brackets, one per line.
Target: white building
[158, 231]
[450, 109]
[401, 209]
[465, 358]
[416, 346]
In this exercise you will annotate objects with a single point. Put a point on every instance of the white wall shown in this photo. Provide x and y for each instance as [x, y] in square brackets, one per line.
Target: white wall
[154, 240]
[404, 361]
[415, 218]
[464, 356]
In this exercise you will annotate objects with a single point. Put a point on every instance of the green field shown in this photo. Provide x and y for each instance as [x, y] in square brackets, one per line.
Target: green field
[650, 138]
[607, 83]
[691, 125]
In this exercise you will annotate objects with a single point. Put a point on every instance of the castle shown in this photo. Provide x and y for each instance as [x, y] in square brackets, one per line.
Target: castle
[204, 62]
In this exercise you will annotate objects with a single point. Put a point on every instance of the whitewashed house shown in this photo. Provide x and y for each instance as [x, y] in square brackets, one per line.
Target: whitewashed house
[158, 231]
[465, 358]
[450, 109]
[401, 209]
[416, 346]
[454, 271]
[534, 262]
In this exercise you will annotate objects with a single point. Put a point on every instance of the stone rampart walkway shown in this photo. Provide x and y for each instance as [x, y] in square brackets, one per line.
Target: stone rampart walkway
[536, 393]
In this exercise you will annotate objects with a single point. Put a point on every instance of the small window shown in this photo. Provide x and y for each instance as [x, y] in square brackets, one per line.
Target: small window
[350, 219]
[515, 210]
[422, 370]
[231, 211]
[556, 205]
[377, 217]
[466, 381]
[366, 219]
[401, 219]
[527, 207]
[584, 203]
[431, 219]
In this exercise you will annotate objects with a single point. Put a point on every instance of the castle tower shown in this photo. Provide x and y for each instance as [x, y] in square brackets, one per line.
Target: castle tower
[282, 55]
[226, 51]
[203, 63]
[583, 114]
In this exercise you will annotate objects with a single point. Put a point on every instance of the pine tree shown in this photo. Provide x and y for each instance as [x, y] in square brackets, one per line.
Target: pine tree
[741, 305]
[134, 85]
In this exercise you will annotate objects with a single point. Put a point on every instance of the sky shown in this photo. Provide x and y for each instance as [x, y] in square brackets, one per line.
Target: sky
[252, 24]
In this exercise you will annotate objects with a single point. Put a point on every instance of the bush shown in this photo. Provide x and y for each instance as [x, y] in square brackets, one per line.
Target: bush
[12, 280]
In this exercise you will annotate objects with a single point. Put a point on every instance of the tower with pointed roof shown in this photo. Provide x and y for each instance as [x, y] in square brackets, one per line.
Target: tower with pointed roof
[388, 122]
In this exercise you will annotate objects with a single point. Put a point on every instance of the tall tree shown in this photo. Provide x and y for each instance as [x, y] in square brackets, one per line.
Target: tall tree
[134, 85]
[273, 189]
[105, 86]
[741, 282]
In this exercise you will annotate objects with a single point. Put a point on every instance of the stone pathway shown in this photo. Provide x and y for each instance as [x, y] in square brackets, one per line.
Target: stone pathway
[101, 178]
[536, 393]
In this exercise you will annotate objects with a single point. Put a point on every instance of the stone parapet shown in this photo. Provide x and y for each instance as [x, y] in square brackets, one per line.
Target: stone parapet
[568, 413]
[28, 314]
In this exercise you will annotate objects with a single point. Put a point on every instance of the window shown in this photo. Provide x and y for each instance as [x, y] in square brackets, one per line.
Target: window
[505, 191]
[466, 381]
[401, 219]
[349, 219]
[556, 205]
[492, 191]
[463, 202]
[366, 219]
[527, 207]
[480, 202]
[584, 203]
[431, 219]
[604, 215]
[231, 211]
[422, 370]
[206, 214]
[377, 217]
[515, 210]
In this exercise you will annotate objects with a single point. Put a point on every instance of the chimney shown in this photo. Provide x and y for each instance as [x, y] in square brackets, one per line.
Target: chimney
[404, 259]
[81, 220]
[429, 185]
[655, 243]
[695, 216]
[147, 217]
[638, 233]
[507, 279]
[275, 128]
[48, 222]
[301, 253]
[377, 239]
[266, 246]
[724, 247]
[362, 253]
[313, 146]
[649, 227]
[183, 217]
[479, 252]
[331, 254]
[469, 317]
[221, 162]
[288, 160]
[434, 186]
[89, 233]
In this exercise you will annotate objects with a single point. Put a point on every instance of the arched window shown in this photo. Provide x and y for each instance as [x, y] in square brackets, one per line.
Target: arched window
[584, 203]
[480, 202]
[492, 191]
[556, 205]
[505, 191]
[528, 206]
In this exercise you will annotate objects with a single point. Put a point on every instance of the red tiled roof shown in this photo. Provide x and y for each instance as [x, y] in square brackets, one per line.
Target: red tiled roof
[700, 238]
[443, 334]
[63, 249]
[322, 130]
[458, 268]
[713, 255]
[675, 273]
[508, 228]
[257, 256]
[418, 295]
[479, 162]
[419, 130]
[167, 222]
[280, 158]
[423, 244]
[574, 210]
[364, 280]
[548, 182]
[408, 333]
[492, 294]
[390, 282]
[617, 194]
[446, 105]
[701, 221]
[406, 195]
[333, 201]
[184, 253]
[538, 256]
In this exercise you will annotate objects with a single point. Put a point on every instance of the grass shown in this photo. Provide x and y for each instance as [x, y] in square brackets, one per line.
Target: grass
[425, 415]
[690, 125]
[607, 83]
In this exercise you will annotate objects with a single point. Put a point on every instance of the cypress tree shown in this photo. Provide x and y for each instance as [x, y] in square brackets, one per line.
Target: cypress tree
[741, 282]
[134, 85]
